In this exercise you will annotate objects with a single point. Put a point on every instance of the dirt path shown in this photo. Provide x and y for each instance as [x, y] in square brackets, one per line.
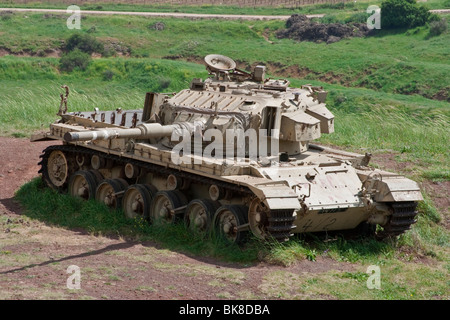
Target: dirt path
[184, 15]
[34, 256]
[168, 14]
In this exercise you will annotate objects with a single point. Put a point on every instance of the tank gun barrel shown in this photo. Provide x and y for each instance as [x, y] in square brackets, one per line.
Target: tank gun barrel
[143, 131]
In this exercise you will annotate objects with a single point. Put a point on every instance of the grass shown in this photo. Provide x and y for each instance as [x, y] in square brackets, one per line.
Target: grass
[31, 88]
[392, 62]
[399, 281]
[413, 129]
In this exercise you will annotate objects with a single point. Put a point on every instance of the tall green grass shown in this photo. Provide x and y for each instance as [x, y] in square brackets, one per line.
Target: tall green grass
[416, 129]
[31, 87]
[404, 62]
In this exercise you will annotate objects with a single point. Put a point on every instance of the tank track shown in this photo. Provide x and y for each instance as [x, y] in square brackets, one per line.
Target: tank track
[402, 218]
[280, 222]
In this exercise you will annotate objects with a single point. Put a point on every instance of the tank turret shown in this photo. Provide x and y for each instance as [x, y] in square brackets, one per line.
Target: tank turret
[233, 152]
[232, 99]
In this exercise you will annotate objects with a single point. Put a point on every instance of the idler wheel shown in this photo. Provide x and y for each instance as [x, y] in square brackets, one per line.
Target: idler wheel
[56, 173]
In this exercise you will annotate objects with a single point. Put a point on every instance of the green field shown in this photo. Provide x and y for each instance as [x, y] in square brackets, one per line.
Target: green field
[388, 92]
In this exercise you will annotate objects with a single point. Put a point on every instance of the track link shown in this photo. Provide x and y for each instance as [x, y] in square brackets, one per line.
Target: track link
[402, 218]
[281, 224]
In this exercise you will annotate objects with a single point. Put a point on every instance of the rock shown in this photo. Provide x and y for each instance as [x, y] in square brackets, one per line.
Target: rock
[333, 39]
[158, 26]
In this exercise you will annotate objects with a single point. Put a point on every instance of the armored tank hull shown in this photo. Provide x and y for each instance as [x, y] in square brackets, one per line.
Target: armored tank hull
[232, 153]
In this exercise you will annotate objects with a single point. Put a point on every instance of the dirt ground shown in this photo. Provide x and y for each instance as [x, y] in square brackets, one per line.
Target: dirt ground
[34, 257]
[167, 14]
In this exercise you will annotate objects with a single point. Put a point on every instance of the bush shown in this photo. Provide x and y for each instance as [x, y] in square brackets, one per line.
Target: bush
[85, 43]
[108, 75]
[6, 15]
[403, 14]
[438, 27]
[92, 29]
[74, 59]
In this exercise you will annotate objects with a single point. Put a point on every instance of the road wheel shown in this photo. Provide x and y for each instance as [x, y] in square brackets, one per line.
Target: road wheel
[231, 223]
[110, 192]
[137, 199]
[83, 184]
[199, 214]
[168, 206]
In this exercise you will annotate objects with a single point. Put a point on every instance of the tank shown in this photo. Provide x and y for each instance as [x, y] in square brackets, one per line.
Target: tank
[233, 153]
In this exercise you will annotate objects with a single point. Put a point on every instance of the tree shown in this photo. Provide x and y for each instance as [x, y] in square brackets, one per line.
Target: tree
[85, 43]
[403, 14]
[74, 59]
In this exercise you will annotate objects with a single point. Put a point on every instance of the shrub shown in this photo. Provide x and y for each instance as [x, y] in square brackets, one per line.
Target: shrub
[92, 29]
[163, 82]
[74, 59]
[85, 43]
[6, 15]
[403, 14]
[438, 27]
[108, 75]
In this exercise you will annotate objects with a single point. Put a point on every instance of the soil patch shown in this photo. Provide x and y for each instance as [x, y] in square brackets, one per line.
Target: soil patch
[301, 28]
[18, 164]
[35, 256]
